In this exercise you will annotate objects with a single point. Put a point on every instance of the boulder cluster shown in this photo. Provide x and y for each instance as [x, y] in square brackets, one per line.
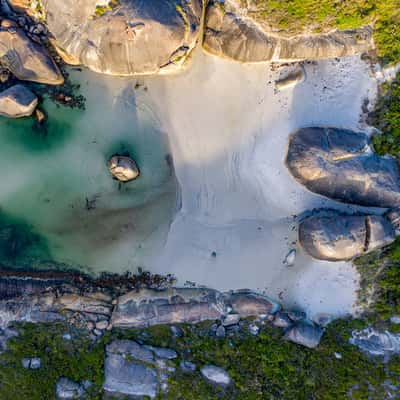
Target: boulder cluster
[340, 164]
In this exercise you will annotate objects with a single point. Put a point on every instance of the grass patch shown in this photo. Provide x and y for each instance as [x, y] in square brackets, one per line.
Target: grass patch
[298, 16]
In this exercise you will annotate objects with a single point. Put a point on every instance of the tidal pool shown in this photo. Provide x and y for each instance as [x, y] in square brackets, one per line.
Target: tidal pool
[60, 207]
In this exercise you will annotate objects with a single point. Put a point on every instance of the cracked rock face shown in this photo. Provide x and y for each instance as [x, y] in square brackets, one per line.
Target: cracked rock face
[339, 164]
[132, 37]
[341, 237]
[234, 31]
[27, 60]
[17, 102]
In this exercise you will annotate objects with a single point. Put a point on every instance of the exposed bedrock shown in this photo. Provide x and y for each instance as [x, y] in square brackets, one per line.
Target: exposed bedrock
[234, 31]
[344, 237]
[26, 59]
[128, 37]
[341, 165]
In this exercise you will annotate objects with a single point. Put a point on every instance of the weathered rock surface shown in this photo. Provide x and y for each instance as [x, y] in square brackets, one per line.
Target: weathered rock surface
[26, 59]
[132, 37]
[215, 375]
[68, 390]
[123, 168]
[305, 333]
[135, 370]
[343, 237]
[247, 304]
[376, 343]
[231, 31]
[149, 307]
[31, 363]
[339, 164]
[17, 102]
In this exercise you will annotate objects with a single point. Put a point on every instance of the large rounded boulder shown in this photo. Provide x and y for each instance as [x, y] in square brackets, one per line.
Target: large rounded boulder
[340, 164]
[124, 37]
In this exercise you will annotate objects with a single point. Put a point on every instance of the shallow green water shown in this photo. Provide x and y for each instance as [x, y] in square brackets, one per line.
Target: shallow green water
[58, 203]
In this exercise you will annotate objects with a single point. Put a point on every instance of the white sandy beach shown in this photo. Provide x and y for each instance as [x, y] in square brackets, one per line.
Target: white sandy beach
[228, 130]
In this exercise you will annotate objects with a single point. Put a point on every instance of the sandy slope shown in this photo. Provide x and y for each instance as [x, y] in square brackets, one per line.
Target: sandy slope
[228, 130]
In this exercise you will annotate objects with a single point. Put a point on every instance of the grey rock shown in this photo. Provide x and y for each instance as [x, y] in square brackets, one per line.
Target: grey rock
[282, 320]
[395, 319]
[231, 31]
[254, 329]
[220, 332]
[343, 237]
[136, 37]
[26, 362]
[290, 78]
[215, 375]
[126, 376]
[340, 164]
[187, 366]
[296, 315]
[176, 331]
[31, 363]
[247, 304]
[305, 333]
[290, 258]
[167, 354]
[132, 349]
[150, 307]
[123, 168]
[26, 59]
[376, 343]
[231, 319]
[68, 390]
[17, 102]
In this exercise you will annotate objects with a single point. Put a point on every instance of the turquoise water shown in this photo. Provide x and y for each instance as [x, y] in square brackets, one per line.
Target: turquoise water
[58, 203]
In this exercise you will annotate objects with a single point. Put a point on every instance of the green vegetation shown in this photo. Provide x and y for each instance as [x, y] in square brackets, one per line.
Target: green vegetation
[386, 117]
[294, 16]
[100, 10]
[263, 367]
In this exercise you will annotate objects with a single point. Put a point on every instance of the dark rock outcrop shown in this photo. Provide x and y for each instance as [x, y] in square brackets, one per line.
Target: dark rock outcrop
[339, 164]
[305, 333]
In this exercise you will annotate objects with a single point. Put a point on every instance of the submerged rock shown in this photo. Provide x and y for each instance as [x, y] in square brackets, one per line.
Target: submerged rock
[26, 59]
[344, 237]
[215, 375]
[123, 168]
[305, 333]
[339, 164]
[128, 37]
[233, 30]
[17, 102]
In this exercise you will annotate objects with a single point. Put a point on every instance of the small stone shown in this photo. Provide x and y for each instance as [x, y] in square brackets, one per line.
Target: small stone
[123, 168]
[338, 356]
[167, 354]
[296, 315]
[290, 258]
[40, 116]
[97, 332]
[90, 326]
[281, 320]
[35, 363]
[26, 362]
[176, 331]
[187, 366]
[68, 390]
[67, 336]
[254, 329]
[305, 333]
[220, 332]
[101, 325]
[215, 375]
[395, 319]
[231, 319]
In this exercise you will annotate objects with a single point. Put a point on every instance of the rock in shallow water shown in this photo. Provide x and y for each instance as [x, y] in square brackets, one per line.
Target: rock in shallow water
[131, 37]
[344, 237]
[339, 164]
[123, 168]
[27, 60]
[17, 102]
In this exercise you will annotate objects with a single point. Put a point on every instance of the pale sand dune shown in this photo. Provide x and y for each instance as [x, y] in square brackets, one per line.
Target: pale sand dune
[228, 131]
